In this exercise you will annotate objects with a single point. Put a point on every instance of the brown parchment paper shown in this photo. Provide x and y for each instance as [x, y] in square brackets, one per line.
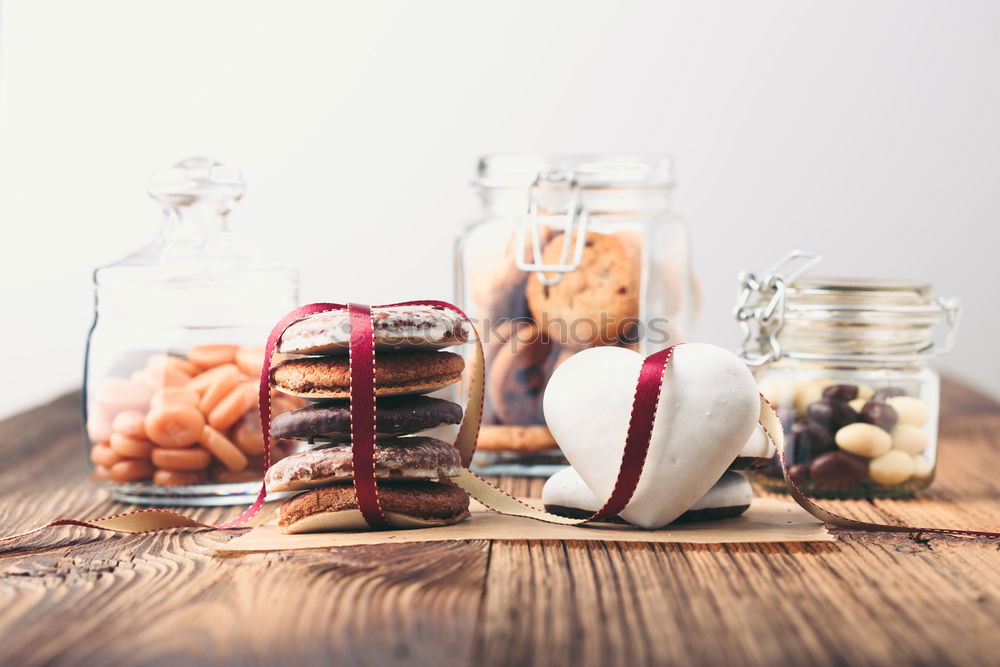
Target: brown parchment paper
[767, 520]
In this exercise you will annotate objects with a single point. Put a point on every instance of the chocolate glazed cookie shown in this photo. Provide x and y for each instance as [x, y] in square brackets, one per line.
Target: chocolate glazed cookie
[598, 304]
[394, 415]
[517, 378]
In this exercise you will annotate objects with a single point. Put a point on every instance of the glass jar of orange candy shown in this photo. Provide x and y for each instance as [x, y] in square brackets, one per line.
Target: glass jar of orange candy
[174, 357]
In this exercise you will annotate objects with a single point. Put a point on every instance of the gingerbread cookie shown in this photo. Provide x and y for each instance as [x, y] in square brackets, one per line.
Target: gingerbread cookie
[598, 303]
[525, 439]
[405, 504]
[517, 378]
[413, 457]
[395, 374]
[395, 328]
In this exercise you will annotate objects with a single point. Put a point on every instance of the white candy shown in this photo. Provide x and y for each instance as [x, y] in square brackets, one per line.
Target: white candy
[910, 439]
[922, 468]
[863, 439]
[893, 467]
[857, 404]
[911, 410]
[808, 392]
[864, 393]
[777, 392]
[707, 410]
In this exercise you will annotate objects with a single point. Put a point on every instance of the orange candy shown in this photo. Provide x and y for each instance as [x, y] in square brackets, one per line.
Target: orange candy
[219, 389]
[210, 356]
[117, 394]
[200, 383]
[131, 470]
[158, 362]
[174, 395]
[165, 377]
[130, 423]
[250, 360]
[223, 449]
[131, 448]
[187, 459]
[102, 473]
[246, 434]
[177, 477]
[102, 455]
[98, 424]
[233, 406]
[174, 425]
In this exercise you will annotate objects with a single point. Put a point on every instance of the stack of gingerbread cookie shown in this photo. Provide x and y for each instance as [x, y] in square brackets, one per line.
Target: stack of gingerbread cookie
[411, 469]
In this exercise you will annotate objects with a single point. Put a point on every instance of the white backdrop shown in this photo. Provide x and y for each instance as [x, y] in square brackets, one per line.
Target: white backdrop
[867, 131]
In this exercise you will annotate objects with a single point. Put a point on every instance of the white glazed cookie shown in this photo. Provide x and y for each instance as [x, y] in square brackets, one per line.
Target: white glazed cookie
[565, 490]
[708, 408]
[758, 451]
[395, 327]
[408, 457]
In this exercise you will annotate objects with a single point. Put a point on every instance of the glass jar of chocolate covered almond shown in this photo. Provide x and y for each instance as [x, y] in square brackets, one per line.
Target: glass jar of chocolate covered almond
[174, 355]
[569, 252]
[844, 361]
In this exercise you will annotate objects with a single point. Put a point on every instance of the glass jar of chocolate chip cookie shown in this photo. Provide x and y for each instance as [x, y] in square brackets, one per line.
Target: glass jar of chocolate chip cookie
[844, 361]
[569, 252]
[174, 356]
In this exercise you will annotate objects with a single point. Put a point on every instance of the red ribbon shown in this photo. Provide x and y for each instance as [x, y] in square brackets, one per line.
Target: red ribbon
[640, 432]
[362, 397]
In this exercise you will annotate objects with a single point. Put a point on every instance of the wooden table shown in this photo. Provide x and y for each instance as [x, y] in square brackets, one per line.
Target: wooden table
[76, 596]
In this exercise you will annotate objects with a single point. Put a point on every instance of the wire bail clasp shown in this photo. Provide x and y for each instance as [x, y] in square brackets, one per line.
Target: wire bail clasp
[761, 302]
[575, 224]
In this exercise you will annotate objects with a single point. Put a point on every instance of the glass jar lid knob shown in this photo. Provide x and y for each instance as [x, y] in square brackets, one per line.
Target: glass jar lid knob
[197, 179]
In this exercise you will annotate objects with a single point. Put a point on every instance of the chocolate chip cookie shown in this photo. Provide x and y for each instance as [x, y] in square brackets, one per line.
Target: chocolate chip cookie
[597, 304]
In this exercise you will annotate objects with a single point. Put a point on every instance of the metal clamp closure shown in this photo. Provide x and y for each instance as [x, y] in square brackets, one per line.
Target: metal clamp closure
[761, 302]
[574, 232]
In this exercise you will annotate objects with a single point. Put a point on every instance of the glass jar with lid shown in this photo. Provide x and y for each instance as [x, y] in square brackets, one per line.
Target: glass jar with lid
[175, 351]
[845, 363]
[568, 252]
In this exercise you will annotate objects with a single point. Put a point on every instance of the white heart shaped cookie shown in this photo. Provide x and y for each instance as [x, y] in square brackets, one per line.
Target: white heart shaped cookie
[708, 408]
